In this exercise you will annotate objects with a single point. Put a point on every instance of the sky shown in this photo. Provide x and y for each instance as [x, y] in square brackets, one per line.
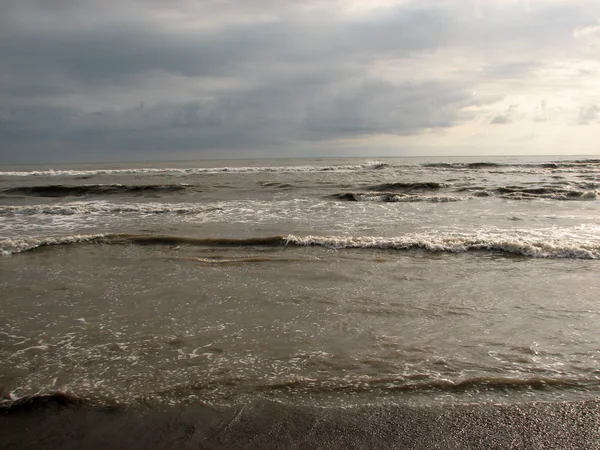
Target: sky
[133, 80]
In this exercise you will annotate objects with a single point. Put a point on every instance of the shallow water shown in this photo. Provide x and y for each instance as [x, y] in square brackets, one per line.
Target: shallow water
[322, 282]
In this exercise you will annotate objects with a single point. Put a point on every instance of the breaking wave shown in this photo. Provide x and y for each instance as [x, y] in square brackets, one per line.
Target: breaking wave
[580, 163]
[394, 197]
[61, 190]
[303, 385]
[536, 193]
[577, 164]
[104, 207]
[369, 165]
[533, 247]
[402, 384]
[518, 193]
[10, 246]
[475, 165]
[408, 187]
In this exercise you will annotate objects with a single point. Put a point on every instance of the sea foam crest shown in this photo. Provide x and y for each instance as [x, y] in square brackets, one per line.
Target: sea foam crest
[9, 246]
[397, 198]
[532, 247]
[369, 165]
[104, 207]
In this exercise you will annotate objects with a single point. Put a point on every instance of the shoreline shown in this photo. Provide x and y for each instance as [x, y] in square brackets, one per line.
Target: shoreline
[60, 421]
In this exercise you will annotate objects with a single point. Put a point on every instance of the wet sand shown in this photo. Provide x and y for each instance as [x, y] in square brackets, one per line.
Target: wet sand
[62, 422]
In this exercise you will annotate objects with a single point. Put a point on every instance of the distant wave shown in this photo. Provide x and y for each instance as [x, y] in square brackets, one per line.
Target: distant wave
[408, 186]
[399, 192]
[369, 165]
[533, 193]
[276, 185]
[581, 163]
[104, 207]
[587, 184]
[506, 193]
[394, 197]
[61, 190]
[567, 165]
[475, 165]
[534, 247]
[520, 193]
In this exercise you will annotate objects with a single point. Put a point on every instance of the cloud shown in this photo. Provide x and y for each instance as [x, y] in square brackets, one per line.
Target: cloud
[592, 31]
[107, 81]
[588, 114]
[504, 118]
[266, 115]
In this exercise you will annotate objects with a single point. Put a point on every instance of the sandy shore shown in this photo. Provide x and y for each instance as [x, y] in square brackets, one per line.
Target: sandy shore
[61, 422]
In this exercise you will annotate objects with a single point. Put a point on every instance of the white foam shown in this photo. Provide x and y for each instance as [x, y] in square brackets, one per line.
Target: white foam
[369, 165]
[538, 244]
[404, 198]
[105, 207]
[588, 195]
[10, 246]
[536, 247]
[591, 185]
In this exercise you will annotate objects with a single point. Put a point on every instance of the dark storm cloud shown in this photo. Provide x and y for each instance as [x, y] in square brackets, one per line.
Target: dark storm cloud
[114, 51]
[266, 115]
[308, 82]
[84, 82]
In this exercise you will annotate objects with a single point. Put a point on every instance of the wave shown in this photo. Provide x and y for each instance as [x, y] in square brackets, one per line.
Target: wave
[305, 385]
[406, 385]
[104, 207]
[533, 247]
[506, 193]
[393, 197]
[369, 165]
[573, 164]
[475, 165]
[544, 192]
[590, 195]
[519, 193]
[578, 162]
[277, 185]
[588, 185]
[408, 187]
[61, 190]
[40, 401]
[9, 246]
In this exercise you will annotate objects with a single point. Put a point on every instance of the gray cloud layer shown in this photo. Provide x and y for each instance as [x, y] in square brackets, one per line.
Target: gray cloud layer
[131, 81]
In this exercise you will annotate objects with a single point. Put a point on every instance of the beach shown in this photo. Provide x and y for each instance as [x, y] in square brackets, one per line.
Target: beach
[66, 423]
[308, 303]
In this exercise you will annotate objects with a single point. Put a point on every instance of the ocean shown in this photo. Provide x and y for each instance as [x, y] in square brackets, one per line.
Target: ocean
[308, 303]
